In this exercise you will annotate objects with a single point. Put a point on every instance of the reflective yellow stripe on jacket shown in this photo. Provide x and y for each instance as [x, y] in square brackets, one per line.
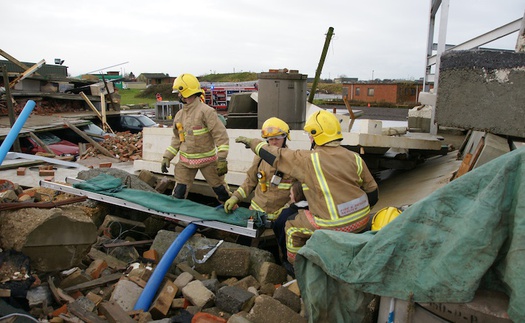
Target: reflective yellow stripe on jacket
[335, 220]
[172, 150]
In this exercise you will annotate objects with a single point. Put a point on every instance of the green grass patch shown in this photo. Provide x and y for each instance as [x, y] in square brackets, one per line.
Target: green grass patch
[131, 96]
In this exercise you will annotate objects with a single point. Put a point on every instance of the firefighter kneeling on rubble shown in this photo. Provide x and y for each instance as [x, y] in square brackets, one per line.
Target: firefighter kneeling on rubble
[201, 140]
[341, 189]
[271, 187]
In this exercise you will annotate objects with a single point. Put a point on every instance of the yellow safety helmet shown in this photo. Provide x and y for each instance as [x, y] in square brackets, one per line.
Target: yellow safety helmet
[187, 85]
[384, 217]
[324, 127]
[275, 127]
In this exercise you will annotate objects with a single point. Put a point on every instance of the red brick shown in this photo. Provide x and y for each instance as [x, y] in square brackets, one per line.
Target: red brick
[104, 165]
[21, 171]
[46, 172]
[151, 254]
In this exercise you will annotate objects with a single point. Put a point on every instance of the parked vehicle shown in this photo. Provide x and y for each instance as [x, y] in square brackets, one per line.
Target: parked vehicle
[59, 146]
[133, 123]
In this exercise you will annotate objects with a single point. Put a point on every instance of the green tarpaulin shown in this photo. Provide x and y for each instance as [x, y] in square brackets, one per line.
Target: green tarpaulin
[112, 186]
[468, 234]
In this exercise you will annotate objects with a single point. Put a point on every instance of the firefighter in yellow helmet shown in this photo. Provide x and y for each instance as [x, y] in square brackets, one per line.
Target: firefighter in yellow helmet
[271, 187]
[341, 189]
[200, 139]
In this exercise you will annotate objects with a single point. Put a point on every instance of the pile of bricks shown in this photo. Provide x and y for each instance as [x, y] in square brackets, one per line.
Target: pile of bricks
[124, 145]
[236, 284]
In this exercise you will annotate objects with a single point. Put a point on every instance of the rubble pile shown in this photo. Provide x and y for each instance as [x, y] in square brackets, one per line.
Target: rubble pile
[103, 280]
[124, 145]
[45, 107]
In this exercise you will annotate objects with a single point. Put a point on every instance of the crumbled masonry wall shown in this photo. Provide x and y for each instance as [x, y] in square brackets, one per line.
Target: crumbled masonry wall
[482, 90]
[54, 239]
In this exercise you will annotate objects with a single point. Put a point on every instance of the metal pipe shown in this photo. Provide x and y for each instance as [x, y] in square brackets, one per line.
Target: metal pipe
[13, 133]
[147, 295]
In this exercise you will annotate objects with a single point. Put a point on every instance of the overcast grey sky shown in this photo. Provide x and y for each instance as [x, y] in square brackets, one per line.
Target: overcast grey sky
[379, 38]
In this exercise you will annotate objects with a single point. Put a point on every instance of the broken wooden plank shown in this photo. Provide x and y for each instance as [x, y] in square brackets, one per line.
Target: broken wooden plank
[127, 243]
[77, 310]
[88, 101]
[95, 282]
[89, 139]
[112, 262]
[162, 304]
[41, 143]
[28, 72]
[114, 313]
[21, 164]
[15, 61]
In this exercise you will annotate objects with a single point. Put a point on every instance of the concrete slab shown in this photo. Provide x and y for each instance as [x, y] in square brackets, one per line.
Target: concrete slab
[482, 90]
[402, 188]
[494, 147]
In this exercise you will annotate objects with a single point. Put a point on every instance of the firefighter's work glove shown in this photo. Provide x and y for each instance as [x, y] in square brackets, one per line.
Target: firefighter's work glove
[230, 204]
[222, 166]
[165, 165]
[244, 140]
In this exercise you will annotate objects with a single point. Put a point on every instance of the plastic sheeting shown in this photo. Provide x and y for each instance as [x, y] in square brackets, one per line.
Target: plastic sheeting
[468, 234]
[112, 186]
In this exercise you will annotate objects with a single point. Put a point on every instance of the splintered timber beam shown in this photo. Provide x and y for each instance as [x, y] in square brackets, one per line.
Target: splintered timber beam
[91, 141]
[90, 104]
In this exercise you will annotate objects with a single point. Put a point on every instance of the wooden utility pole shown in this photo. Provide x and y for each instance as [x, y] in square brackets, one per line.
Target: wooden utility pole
[321, 63]
[10, 108]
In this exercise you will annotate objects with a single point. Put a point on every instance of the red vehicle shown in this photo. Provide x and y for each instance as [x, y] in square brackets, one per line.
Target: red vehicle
[58, 146]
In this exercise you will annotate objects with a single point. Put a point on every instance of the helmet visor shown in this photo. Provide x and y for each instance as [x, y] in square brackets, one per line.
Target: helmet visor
[272, 132]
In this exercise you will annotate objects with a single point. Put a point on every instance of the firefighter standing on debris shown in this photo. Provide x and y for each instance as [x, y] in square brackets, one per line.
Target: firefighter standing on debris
[271, 187]
[341, 189]
[201, 140]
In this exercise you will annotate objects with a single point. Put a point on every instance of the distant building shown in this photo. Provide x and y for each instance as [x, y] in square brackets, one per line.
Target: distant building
[384, 92]
[345, 80]
[155, 78]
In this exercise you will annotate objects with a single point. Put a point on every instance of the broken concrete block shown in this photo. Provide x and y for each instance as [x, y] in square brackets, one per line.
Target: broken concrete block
[288, 298]
[164, 239]
[293, 286]
[178, 303]
[248, 281]
[272, 273]
[225, 262]
[267, 289]
[212, 284]
[126, 294]
[267, 309]
[182, 280]
[148, 177]
[34, 232]
[233, 299]
[198, 295]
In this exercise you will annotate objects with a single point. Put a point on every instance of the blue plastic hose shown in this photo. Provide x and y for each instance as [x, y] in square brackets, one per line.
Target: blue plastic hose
[15, 130]
[147, 295]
